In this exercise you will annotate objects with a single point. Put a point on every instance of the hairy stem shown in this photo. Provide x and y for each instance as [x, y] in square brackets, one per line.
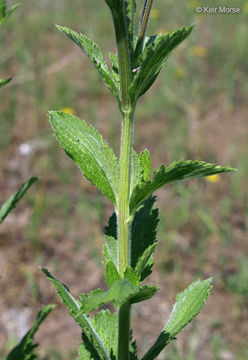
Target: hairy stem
[124, 332]
[124, 50]
[124, 192]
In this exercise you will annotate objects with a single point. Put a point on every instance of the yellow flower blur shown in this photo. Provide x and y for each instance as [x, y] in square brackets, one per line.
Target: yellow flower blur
[155, 14]
[161, 31]
[199, 51]
[179, 73]
[194, 3]
[68, 110]
[246, 7]
[213, 178]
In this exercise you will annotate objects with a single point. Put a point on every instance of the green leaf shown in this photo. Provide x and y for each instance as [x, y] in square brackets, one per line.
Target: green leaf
[132, 276]
[4, 81]
[130, 13]
[111, 273]
[141, 168]
[145, 262]
[179, 170]
[86, 147]
[115, 5]
[2, 9]
[106, 325]
[84, 321]
[152, 59]
[25, 349]
[115, 69]
[143, 232]
[85, 353]
[13, 200]
[4, 14]
[92, 50]
[121, 292]
[110, 250]
[188, 304]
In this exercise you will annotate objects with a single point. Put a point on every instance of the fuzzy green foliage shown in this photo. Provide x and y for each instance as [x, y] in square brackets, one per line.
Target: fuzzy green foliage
[130, 237]
[94, 53]
[86, 147]
[188, 304]
[25, 349]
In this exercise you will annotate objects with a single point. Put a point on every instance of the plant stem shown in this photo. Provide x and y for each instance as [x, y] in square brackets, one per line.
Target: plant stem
[125, 73]
[124, 192]
[123, 58]
[124, 332]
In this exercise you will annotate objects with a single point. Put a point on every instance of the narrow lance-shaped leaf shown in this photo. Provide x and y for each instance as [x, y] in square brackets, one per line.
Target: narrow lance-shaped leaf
[86, 147]
[83, 320]
[92, 50]
[4, 14]
[4, 81]
[179, 170]
[188, 304]
[25, 349]
[15, 198]
[156, 51]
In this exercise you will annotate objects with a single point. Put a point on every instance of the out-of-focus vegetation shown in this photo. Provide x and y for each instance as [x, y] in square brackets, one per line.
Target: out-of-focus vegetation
[198, 110]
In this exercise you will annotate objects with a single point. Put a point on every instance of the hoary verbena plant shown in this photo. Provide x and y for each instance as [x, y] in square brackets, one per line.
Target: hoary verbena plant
[130, 237]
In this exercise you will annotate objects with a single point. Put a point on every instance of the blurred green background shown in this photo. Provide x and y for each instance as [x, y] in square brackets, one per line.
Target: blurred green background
[197, 109]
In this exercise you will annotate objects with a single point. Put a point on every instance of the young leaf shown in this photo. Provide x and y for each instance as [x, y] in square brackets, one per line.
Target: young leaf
[25, 349]
[141, 168]
[110, 250]
[4, 81]
[179, 170]
[86, 147]
[13, 200]
[188, 304]
[121, 292]
[152, 59]
[84, 321]
[111, 273]
[115, 69]
[145, 262]
[95, 55]
[132, 276]
[143, 231]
